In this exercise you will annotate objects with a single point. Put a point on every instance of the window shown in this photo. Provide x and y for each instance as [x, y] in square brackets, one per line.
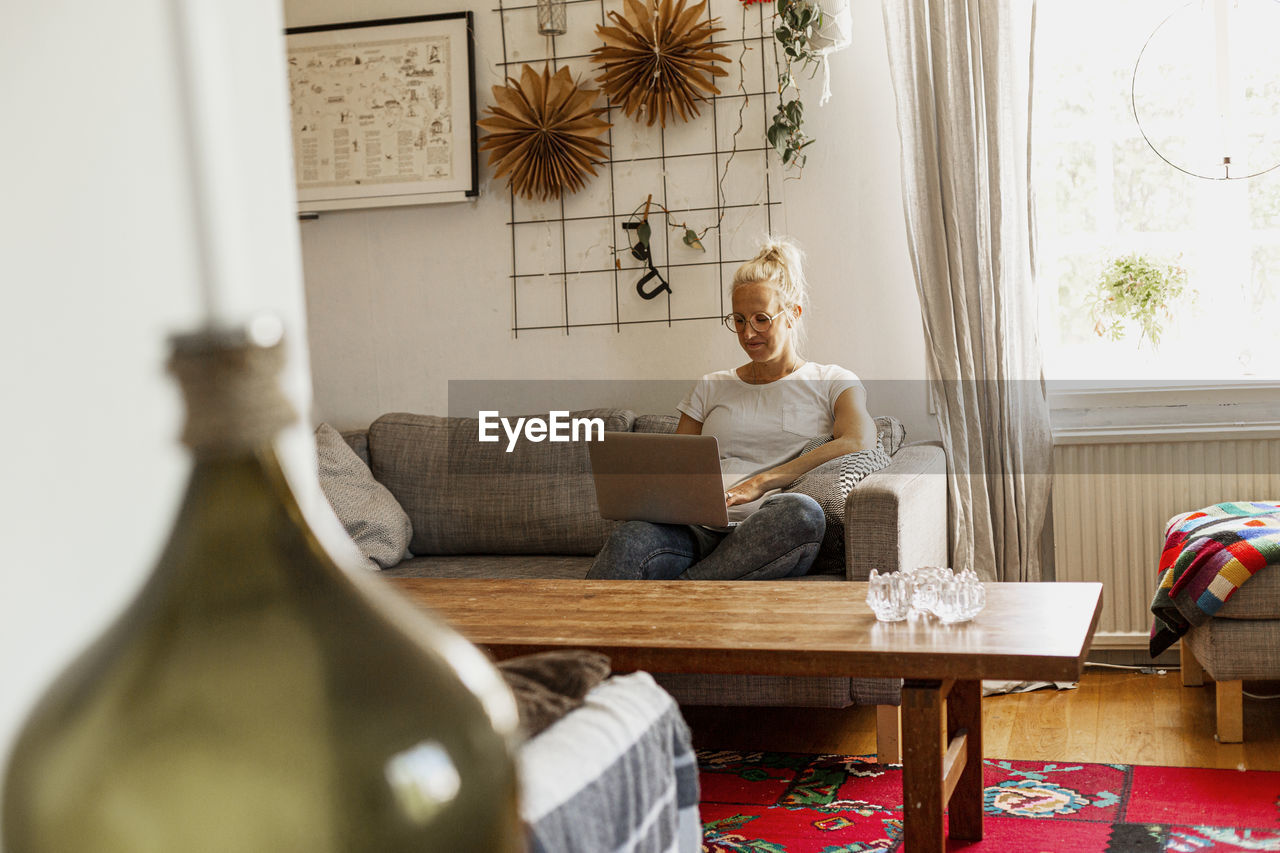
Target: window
[1102, 191]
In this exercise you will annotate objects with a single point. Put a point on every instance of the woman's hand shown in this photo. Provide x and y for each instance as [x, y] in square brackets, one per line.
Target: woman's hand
[746, 491]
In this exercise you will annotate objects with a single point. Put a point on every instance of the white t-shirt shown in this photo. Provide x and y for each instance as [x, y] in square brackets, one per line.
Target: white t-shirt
[759, 427]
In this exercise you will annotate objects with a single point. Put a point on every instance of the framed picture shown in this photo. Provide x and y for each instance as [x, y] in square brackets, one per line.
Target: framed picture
[383, 112]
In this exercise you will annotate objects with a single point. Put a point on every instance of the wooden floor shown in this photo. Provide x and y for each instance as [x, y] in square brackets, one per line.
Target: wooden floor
[1114, 716]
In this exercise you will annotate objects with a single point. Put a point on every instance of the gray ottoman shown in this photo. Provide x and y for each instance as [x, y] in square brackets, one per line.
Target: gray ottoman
[1242, 641]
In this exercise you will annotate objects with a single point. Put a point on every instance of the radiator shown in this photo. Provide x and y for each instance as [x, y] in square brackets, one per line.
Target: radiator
[1112, 501]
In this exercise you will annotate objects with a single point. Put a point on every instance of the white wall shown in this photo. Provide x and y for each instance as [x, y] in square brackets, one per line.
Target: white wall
[400, 301]
[98, 265]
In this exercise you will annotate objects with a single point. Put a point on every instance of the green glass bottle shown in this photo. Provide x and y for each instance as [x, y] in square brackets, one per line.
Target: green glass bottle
[256, 696]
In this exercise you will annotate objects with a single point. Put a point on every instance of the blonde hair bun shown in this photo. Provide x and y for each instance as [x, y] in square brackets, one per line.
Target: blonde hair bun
[781, 264]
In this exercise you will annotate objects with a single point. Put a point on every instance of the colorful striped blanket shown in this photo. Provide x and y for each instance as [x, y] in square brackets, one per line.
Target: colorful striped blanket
[1207, 555]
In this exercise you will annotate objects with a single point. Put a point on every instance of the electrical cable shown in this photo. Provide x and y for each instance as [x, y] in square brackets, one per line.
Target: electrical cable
[1147, 668]
[1257, 696]
[1153, 670]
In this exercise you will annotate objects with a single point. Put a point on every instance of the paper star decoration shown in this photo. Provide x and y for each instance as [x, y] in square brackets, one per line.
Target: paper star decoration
[544, 133]
[658, 59]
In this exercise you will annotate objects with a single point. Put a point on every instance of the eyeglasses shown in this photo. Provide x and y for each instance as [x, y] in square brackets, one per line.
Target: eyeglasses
[760, 322]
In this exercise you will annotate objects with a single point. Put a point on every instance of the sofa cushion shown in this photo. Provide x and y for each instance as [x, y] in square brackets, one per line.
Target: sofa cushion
[656, 423]
[358, 440]
[465, 496]
[368, 512]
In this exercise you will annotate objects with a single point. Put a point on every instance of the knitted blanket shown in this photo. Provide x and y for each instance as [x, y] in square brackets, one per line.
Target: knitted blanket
[1207, 555]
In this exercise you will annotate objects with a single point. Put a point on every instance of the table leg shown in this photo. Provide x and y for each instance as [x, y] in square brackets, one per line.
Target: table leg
[924, 741]
[964, 714]
[888, 735]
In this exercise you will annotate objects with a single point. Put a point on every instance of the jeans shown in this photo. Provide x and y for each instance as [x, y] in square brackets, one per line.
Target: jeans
[778, 540]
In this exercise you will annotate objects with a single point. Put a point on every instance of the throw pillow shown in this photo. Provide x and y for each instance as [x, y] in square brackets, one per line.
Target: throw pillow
[830, 483]
[370, 515]
[891, 432]
[549, 685]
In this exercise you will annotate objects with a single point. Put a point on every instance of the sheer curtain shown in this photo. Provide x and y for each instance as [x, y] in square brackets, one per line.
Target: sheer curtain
[961, 73]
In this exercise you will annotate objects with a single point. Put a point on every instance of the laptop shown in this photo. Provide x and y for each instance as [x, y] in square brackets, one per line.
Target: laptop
[659, 477]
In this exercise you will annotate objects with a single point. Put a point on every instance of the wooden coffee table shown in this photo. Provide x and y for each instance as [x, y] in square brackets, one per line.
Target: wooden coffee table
[1028, 632]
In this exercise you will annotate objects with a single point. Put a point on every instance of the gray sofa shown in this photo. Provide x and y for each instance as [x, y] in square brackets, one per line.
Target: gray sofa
[478, 511]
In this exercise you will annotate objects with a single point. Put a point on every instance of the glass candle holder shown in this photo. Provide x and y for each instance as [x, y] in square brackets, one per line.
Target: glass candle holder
[960, 598]
[889, 596]
[925, 582]
[929, 589]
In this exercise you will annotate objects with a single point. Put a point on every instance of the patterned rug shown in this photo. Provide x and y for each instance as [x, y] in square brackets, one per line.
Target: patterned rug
[772, 802]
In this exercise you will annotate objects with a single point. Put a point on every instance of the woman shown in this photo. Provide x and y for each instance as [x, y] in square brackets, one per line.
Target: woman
[762, 414]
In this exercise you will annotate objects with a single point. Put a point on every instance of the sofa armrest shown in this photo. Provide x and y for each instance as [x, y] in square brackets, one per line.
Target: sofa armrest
[897, 517]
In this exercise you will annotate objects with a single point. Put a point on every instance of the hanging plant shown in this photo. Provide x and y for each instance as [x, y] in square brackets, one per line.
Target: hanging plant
[544, 133]
[1134, 290]
[796, 25]
[658, 59]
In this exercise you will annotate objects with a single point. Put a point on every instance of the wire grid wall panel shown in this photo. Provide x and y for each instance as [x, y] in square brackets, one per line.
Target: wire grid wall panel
[714, 171]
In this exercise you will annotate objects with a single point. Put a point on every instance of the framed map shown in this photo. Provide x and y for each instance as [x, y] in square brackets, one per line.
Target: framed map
[383, 112]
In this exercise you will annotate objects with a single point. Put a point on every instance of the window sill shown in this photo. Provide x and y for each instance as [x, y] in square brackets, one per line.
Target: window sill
[1115, 412]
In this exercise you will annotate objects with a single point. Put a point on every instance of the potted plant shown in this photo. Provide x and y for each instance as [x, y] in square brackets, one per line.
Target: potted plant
[1136, 290]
